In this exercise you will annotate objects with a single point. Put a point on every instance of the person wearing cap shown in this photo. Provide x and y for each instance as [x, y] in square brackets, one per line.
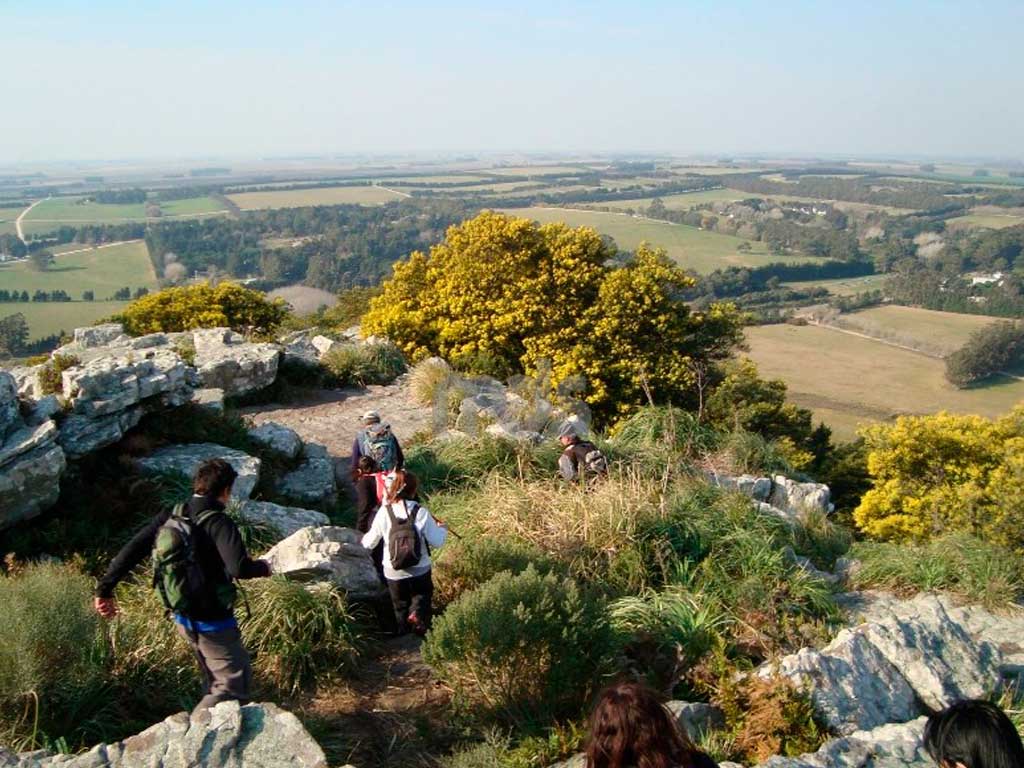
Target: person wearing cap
[377, 441]
[411, 587]
[580, 457]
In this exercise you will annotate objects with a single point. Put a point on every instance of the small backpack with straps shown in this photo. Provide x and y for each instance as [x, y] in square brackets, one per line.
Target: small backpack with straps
[404, 546]
[595, 462]
[177, 575]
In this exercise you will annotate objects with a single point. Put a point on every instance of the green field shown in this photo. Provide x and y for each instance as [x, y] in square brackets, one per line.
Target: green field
[849, 381]
[56, 211]
[681, 202]
[536, 170]
[844, 286]
[298, 198]
[47, 318]
[939, 332]
[103, 270]
[690, 247]
[986, 220]
[7, 218]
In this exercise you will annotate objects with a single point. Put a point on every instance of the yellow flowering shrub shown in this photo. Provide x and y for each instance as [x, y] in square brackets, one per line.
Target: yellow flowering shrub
[203, 306]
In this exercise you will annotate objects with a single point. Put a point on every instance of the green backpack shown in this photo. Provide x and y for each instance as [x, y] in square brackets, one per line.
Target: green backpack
[177, 574]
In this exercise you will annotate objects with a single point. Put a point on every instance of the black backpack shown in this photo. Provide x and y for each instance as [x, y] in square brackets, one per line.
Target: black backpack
[177, 575]
[404, 547]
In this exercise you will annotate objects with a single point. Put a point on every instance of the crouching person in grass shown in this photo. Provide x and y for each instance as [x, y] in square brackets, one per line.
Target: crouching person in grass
[630, 727]
[197, 554]
[409, 531]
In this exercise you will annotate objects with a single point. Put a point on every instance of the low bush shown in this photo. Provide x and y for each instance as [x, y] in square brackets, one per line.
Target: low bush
[959, 563]
[51, 375]
[464, 565]
[524, 649]
[456, 462]
[52, 656]
[204, 306]
[360, 365]
[429, 380]
[664, 430]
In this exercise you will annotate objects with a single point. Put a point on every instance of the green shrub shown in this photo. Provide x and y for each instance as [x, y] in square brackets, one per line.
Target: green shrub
[359, 365]
[51, 654]
[523, 648]
[750, 453]
[958, 563]
[455, 462]
[664, 429]
[203, 306]
[186, 350]
[51, 381]
[299, 635]
[466, 564]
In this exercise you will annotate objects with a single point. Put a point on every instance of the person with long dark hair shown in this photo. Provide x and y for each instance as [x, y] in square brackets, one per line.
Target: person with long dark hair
[631, 728]
[973, 734]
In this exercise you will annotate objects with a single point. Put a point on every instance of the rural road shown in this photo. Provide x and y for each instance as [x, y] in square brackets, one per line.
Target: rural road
[17, 223]
[94, 248]
[394, 191]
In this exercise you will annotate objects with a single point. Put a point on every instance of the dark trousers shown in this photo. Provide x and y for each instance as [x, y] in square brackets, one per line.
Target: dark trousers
[413, 595]
[224, 663]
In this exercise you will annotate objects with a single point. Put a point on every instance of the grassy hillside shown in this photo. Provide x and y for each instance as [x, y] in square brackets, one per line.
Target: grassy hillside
[7, 218]
[681, 202]
[845, 286]
[47, 318]
[936, 332]
[297, 198]
[848, 381]
[690, 247]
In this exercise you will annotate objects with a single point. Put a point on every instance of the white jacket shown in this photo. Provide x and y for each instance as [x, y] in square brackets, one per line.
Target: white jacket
[430, 533]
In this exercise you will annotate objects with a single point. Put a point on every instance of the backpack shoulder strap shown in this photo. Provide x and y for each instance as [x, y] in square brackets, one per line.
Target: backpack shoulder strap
[208, 514]
[391, 514]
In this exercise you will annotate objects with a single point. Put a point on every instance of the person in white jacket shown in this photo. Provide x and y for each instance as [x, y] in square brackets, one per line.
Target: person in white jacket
[411, 585]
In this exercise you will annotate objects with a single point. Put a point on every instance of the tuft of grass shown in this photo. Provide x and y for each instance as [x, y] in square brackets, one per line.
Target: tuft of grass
[429, 380]
[958, 563]
[664, 429]
[51, 375]
[360, 365]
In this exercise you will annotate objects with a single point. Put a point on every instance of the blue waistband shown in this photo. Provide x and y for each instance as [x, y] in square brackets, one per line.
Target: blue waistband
[206, 627]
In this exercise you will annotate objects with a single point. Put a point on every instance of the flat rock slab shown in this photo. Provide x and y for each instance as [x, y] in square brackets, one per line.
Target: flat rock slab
[328, 554]
[185, 460]
[313, 481]
[897, 745]
[279, 438]
[284, 520]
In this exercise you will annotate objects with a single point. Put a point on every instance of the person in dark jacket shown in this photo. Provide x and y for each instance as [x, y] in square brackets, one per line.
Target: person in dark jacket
[630, 727]
[377, 441]
[573, 463]
[368, 482]
[210, 629]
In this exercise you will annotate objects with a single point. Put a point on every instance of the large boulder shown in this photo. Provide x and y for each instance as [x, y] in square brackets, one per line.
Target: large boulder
[757, 488]
[279, 438]
[224, 361]
[80, 435]
[10, 417]
[323, 345]
[313, 481]
[799, 498]
[284, 520]
[98, 335]
[696, 718]
[111, 384]
[897, 745]
[185, 460]
[31, 464]
[225, 736]
[330, 554]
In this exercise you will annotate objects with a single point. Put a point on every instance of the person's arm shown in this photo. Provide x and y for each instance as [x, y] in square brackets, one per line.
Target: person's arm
[435, 534]
[567, 466]
[134, 552]
[237, 563]
[375, 535]
[366, 502]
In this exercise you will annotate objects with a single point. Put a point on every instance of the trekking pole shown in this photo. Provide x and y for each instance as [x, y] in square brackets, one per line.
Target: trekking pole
[445, 526]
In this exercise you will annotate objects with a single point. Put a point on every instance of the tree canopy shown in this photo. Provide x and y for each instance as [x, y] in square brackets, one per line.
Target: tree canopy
[203, 306]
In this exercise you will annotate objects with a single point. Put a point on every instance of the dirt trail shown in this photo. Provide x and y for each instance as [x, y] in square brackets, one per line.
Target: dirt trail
[331, 417]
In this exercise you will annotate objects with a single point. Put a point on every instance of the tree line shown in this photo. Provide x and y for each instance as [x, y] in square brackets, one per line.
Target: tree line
[988, 351]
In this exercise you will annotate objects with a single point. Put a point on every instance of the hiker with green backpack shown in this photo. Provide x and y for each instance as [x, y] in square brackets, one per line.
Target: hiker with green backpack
[409, 531]
[197, 555]
[377, 441]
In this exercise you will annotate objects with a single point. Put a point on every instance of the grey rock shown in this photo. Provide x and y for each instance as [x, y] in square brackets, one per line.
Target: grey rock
[213, 339]
[799, 498]
[897, 745]
[329, 554]
[284, 520]
[30, 483]
[298, 349]
[21, 441]
[757, 488]
[313, 481]
[109, 384]
[185, 460]
[209, 398]
[279, 438]
[26, 378]
[323, 345]
[237, 369]
[10, 417]
[80, 435]
[696, 718]
[98, 335]
[44, 409]
[225, 736]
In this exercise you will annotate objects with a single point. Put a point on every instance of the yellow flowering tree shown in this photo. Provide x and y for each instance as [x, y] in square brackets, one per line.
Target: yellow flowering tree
[943, 473]
[532, 296]
[203, 306]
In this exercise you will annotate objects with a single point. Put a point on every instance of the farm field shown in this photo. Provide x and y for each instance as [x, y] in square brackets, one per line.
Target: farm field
[849, 381]
[709, 170]
[439, 179]
[298, 198]
[102, 270]
[7, 218]
[304, 299]
[46, 318]
[536, 170]
[987, 220]
[56, 211]
[690, 247]
[681, 202]
[942, 332]
[844, 286]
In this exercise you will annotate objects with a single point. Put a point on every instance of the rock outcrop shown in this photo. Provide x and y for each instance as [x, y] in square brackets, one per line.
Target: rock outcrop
[898, 745]
[284, 520]
[31, 462]
[328, 553]
[779, 496]
[185, 460]
[226, 736]
[279, 438]
[224, 360]
[313, 480]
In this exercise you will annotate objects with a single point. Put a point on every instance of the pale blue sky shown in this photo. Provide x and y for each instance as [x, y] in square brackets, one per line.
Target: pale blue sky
[174, 79]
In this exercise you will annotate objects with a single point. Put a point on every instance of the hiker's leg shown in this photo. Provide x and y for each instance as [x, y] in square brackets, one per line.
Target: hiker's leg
[422, 599]
[399, 590]
[230, 669]
[192, 639]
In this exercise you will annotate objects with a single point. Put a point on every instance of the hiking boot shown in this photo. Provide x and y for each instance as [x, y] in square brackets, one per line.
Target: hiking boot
[416, 624]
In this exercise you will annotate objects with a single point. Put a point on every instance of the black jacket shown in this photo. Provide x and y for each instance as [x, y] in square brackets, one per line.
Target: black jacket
[367, 502]
[219, 550]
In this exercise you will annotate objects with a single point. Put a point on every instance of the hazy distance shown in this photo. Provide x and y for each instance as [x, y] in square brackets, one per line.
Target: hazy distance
[113, 80]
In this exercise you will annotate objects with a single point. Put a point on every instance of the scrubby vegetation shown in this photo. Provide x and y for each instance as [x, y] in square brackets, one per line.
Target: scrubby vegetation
[359, 365]
[203, 306]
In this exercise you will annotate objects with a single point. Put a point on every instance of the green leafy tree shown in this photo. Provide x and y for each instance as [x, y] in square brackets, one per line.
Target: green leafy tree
[204, 306]
[40, 260]
[13, 334]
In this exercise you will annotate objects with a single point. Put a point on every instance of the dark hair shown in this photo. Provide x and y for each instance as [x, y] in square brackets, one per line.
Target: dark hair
[213, 478]
[367, 465]
[630, 728]
[976, 734]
